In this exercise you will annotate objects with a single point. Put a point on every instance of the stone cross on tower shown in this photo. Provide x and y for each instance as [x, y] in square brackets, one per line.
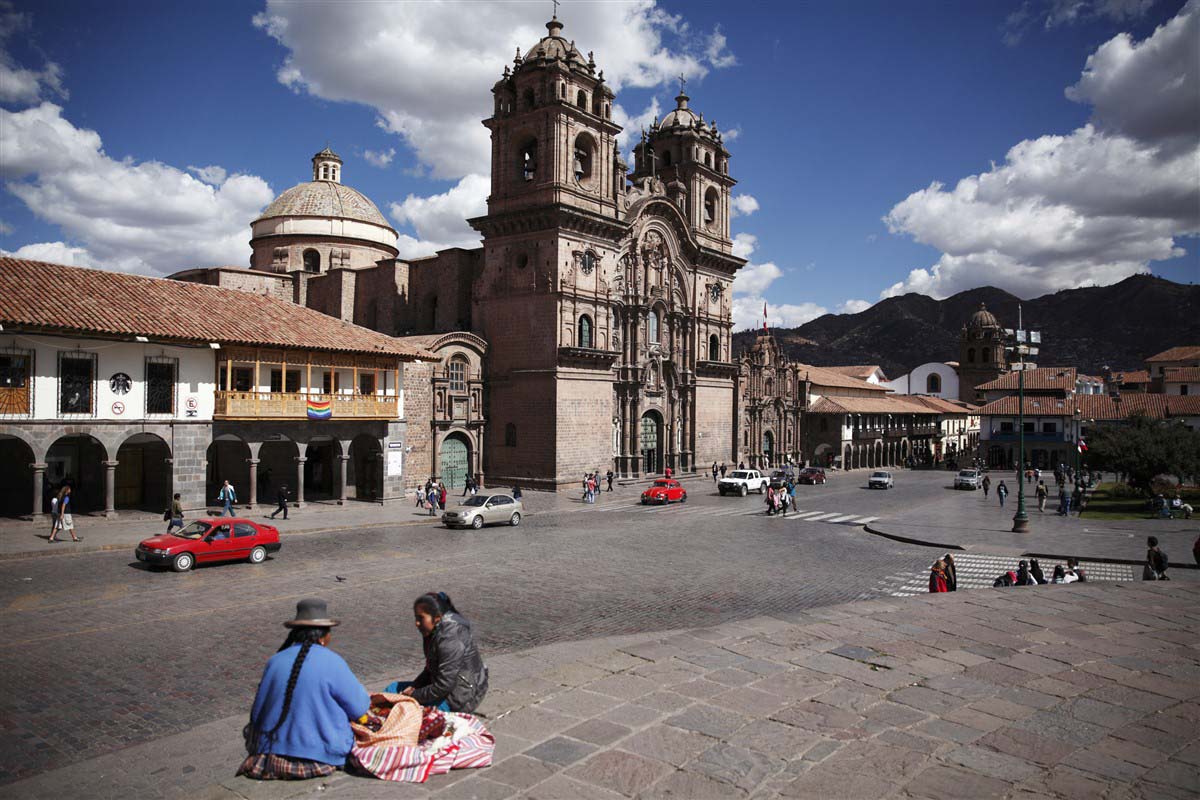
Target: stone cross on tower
[555, 15]
[682, 83]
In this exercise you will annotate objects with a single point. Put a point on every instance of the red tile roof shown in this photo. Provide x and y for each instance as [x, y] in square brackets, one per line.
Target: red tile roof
[1189, 352]
[1042, 378]
[861, 371]
[1092, 406]
[1181, 375]
[1131, 377]
[868, 405]
[1185, 405]
[825, 376]
[54, 298]
[942, 406]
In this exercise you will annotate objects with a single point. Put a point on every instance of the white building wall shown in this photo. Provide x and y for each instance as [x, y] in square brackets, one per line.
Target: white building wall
[917, 381]
[194, 387]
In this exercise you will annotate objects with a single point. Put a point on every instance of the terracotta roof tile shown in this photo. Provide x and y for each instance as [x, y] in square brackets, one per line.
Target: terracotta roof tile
[1134, 376]
[824, 376]
[941, 405]
[1189, 352]
[861, 371]
[1181, 375]
[1091, 406]
[73, 300]
[868, 405]
[1041, 378]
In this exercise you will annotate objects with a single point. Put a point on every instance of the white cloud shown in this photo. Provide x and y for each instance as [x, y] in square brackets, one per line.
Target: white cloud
[5, 228]
[743, 205]
[748, 313]
[428, 68]
[56, 253]
[633, 125]
[755, 278]
[20, 85]
[1088, 208]
[731, 134]
[854, 306]
[136, 216]
[1051, 14]
[210, 174]
[744, 244]
[380, 158]
[440, 220]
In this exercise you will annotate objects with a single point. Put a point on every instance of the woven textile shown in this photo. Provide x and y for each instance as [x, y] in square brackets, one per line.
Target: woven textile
[401, 727]
[271, 767]
[467, 745]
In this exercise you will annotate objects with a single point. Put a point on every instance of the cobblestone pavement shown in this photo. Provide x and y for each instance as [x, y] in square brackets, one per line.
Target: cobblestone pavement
[1080, 691]
[976, 571]
[103, 654]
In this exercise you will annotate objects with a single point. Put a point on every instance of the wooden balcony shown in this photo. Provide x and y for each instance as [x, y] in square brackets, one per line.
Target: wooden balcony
[292, 405]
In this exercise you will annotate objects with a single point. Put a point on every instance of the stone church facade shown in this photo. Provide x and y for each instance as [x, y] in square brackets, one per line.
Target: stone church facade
[597, 313]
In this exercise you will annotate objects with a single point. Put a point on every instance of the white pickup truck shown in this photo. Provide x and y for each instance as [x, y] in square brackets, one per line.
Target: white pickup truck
[743, 481]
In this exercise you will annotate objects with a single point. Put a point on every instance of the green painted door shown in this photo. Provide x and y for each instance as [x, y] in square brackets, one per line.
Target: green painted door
[454, 464]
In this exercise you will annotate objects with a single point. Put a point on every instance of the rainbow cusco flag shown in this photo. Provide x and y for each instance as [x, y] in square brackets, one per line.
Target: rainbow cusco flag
[320, 409]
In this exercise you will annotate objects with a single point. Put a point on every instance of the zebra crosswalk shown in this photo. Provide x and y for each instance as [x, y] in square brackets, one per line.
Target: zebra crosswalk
[979, 570]
[685, 510]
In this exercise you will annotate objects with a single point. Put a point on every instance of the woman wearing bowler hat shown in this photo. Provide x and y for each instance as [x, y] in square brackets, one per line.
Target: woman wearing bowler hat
[300, 723]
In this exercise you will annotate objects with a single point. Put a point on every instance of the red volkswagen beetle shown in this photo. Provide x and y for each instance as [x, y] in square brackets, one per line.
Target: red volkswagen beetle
[664, 491]
[210, 539]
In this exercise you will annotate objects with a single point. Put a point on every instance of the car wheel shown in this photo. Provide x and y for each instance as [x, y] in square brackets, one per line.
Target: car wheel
[258, 555]
[477, 522]
[762, 488]
[683, 499]
[722, 492]
[515, 519]
[745, 491]
[182, 562]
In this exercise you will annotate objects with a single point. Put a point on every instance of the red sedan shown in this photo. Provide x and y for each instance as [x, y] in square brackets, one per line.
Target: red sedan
[664, 491]
[812, 475]
[208, 540]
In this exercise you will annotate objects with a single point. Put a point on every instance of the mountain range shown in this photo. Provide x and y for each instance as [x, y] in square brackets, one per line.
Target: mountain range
[1117, 325]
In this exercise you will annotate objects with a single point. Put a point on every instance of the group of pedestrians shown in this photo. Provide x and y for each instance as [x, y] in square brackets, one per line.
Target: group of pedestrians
[432, 496]
[591, 484]
[300, 723]
[779, 500]
[1030, 573]
[718, 471]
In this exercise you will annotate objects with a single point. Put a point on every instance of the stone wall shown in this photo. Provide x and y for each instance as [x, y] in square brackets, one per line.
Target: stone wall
[714, 421]
[418, 411]
[526, 401]
[439, 290]
[584, 425]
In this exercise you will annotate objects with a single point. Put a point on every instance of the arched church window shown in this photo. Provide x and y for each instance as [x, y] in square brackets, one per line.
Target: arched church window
[585, 331]
[581, 99]
[527, 160]
[933, 384]
[652, 328]
[987, 355]
[970, 355]
[666, 158]
[456, 371]
[582, 165]
[710, 207]
[312, 261]
[714, 348]
[708, 159]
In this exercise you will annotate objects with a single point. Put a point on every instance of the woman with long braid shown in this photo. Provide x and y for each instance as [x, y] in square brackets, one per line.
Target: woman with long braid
[300, 723]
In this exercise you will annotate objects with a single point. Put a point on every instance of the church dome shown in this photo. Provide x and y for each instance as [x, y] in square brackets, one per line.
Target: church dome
[554, 47]
[325, 199]
[681, 116]
[983, 319]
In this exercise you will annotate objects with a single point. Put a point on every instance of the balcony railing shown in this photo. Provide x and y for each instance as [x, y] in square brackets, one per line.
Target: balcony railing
[292, 405]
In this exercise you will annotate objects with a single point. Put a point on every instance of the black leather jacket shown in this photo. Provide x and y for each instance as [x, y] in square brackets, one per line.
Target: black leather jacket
[454, 670]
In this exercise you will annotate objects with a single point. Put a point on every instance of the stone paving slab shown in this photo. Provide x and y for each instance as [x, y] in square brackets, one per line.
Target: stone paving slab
[609, 723]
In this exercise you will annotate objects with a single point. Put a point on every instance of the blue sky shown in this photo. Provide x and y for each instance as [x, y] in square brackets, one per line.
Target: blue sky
[147, 137]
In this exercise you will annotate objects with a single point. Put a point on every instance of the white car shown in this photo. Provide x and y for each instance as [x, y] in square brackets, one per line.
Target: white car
[743, 481]
[880, 480]
[968, 479]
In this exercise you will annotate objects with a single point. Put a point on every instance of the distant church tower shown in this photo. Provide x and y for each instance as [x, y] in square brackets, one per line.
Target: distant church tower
[981, 356]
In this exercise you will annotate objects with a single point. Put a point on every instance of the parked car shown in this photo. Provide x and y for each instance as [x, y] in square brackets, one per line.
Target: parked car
[812, 475]
[208, 540]
[743, 481]
[968, 479]
[484, 509]
[880, 479]
[780, 478]
[664, 491]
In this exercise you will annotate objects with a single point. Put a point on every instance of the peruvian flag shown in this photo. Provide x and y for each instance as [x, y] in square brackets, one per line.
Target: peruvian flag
[1082, 445]
[764, 316]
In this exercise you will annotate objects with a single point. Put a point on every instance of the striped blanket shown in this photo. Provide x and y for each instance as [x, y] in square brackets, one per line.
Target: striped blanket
[465, 744]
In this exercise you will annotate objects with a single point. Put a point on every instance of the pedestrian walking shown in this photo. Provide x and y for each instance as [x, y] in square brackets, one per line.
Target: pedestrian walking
[442, 494]
[281, 498]
[937, 577]
[770, 501]
[432, 500]
[782, 499]
[722, 469]
[1077, 499]
[66, 520]
[227, 497]
[1002, 492]
[951, 570]
[609, 477]
[1041, 493]
[467, 486]
[516, 492]
[792, 496]
[714, 472]
[1156, 562]
[987, 484]
[421, 497]
[175, 514]
[54, 518]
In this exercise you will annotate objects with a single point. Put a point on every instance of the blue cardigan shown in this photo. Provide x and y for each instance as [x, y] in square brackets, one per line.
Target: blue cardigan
[327, 696]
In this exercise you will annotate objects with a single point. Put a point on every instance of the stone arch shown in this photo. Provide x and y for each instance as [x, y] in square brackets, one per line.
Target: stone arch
[16, 478]
[144, 473]
[455, 453]
[312, 260]
[277, 466]
[526, 158]
[320, 469]
[652, 442]
[77, 460]
[366, 467]
[583, 159]
[228, 458]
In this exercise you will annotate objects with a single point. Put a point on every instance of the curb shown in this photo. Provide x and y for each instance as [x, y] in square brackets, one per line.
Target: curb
[909, 540]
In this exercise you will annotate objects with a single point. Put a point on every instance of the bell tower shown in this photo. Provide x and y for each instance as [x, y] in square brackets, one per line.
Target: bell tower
[688, 155]
[981, 355]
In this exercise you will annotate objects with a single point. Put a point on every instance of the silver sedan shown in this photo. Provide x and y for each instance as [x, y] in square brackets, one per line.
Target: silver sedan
[484, 509]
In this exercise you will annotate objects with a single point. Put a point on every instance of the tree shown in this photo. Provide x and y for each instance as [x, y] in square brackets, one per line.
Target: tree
[1141, 447]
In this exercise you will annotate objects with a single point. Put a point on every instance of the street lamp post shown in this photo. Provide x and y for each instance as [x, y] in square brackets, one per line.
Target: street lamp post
[1078, 439]
[1022, 342]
